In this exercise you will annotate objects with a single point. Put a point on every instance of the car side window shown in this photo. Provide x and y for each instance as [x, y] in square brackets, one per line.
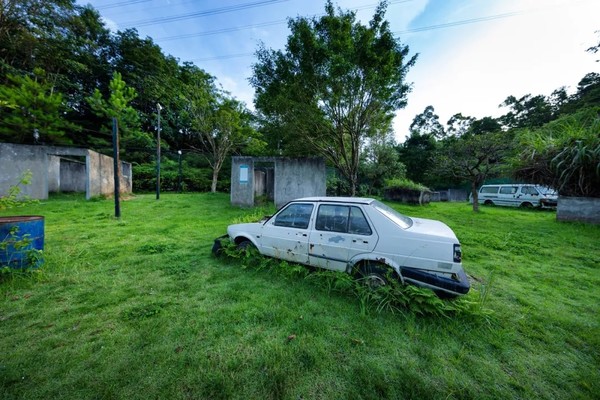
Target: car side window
[358, 223]
[332, 218]
[342, 219]
[294, 216]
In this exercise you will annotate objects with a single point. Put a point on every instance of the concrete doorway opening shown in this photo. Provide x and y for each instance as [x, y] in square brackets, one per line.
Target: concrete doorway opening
[264, 182]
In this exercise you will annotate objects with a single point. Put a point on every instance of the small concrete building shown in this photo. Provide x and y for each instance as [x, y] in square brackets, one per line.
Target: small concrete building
[60, 169]
[278, 179]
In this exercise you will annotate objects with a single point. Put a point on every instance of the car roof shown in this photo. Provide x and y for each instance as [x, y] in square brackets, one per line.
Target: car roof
[331, 199]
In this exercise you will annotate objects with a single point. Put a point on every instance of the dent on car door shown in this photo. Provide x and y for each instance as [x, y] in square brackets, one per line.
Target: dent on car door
[340, 233]
[285, 236]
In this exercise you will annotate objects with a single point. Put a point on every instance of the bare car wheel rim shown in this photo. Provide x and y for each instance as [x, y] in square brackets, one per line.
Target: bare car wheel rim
[374, 281]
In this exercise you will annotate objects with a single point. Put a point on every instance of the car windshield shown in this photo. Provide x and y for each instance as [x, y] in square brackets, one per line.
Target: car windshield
[401, 220]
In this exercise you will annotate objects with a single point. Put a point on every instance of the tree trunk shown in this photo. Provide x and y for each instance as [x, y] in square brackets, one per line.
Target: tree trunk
[475, 196]
[215, 178]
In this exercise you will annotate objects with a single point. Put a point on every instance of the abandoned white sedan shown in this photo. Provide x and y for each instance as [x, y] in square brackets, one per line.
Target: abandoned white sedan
[361, 236]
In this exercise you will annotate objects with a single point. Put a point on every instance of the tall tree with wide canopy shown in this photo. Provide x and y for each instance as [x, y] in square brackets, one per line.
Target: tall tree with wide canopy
[475, 155]
[337, 83]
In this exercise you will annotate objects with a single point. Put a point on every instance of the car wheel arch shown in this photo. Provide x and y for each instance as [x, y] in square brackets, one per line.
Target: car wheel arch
[361, 260]
[241, 238]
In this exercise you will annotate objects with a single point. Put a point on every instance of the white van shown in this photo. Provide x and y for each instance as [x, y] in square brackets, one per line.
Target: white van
[518, 195]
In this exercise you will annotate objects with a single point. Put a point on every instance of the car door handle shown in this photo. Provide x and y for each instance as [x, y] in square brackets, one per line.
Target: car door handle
[364, 241]
[304, 234]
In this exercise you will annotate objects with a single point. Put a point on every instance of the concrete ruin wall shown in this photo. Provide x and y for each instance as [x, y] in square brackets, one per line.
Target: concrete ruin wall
[242, 181]
[72, 176]
[46, 163]
[299, 177]
[293, 178]
[583, 209]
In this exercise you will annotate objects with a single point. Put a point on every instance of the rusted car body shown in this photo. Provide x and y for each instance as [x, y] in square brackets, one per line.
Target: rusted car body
[360, 235]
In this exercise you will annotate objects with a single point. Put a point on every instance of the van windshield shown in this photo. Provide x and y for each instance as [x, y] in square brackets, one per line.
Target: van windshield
[546, 191]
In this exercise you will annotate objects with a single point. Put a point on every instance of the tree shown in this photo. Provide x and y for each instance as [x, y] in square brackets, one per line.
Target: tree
[527, 112]
[380, 162]
[472, 157]
[337, 83]
[215, 124]
[428, 123]
[459, 124]
[31, 112]
[117, 105]
[416, 153]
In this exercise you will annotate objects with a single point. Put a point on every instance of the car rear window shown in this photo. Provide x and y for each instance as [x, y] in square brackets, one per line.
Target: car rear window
[401, 220]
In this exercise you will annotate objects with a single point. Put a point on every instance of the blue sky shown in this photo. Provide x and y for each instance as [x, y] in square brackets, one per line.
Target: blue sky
[472, 53]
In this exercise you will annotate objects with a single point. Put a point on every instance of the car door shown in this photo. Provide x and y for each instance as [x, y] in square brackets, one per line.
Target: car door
[340, 232]
[285, 236]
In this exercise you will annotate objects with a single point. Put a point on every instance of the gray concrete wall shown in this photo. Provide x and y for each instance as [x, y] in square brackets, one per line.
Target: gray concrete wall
[584, 209]
[100, 170]
[299, 177]
[15, 159]
[72, 176]
[53, 174]
[457, 195]
[293, 178]
[242, 187]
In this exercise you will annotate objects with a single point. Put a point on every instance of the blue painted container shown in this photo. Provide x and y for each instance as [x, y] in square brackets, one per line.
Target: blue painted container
[21, 241]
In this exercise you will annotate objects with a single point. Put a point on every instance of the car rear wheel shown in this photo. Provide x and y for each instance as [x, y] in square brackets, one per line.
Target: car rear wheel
[488, 203]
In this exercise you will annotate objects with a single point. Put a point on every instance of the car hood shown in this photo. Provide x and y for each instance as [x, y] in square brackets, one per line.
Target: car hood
[236, 229]
[430, 227]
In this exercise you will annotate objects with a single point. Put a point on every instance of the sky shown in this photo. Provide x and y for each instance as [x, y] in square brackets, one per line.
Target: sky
[472, 54]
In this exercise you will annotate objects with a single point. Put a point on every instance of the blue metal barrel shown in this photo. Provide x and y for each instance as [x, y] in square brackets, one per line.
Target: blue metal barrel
[21, 241]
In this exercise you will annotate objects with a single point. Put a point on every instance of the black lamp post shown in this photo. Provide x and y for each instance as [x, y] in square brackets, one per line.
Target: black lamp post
[179, 152]
[159, 107]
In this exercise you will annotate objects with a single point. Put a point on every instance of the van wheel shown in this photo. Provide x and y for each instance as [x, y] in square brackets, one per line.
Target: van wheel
[526, 205]
[488, 203]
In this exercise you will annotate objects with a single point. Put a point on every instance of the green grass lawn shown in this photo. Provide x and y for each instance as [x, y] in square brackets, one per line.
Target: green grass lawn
[138, 308]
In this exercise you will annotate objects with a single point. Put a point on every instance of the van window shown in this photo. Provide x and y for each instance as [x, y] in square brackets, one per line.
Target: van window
[489, 189]
[529, 190]
[508, 190]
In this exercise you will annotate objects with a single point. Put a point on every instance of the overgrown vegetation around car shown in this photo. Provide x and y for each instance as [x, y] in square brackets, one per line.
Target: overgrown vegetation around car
[393, 297]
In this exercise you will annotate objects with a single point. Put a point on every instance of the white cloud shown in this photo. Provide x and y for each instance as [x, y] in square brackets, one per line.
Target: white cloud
[535, 52]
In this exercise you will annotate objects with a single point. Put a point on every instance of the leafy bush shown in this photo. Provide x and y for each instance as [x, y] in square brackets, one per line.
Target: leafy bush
[563, 154]
[193, 179]
[405, 184]
[13, 198]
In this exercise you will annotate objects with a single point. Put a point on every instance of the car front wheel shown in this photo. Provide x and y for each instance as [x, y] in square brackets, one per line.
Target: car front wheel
[373, 275]
[245, 246]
